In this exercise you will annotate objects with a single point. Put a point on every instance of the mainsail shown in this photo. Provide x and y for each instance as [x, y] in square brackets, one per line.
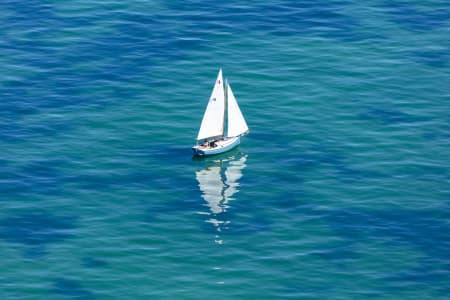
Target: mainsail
[213, 119]
[236, 121]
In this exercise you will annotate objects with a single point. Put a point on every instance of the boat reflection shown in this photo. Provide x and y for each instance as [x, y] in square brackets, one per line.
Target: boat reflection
[218, 182]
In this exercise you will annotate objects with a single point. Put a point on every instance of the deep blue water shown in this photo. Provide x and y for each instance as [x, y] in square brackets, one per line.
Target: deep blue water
[340, 191]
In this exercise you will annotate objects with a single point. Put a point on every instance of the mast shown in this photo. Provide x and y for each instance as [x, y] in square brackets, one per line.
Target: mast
[225, 119]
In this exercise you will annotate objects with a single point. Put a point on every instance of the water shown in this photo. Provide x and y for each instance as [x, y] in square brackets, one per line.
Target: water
[341, 189]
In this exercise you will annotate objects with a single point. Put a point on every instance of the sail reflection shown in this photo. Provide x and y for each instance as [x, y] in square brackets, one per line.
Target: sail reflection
[218, 183]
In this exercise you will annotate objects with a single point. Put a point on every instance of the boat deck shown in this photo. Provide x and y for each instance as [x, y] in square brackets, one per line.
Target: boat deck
[216, 147]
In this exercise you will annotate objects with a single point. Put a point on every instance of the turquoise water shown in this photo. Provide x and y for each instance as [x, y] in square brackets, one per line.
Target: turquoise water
[340, 191]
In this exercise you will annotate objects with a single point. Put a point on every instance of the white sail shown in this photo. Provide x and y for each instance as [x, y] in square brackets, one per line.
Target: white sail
[213, 119]
[236, 121]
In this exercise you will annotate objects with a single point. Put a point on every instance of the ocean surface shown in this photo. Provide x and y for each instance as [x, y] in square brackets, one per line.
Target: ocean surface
[340, 191]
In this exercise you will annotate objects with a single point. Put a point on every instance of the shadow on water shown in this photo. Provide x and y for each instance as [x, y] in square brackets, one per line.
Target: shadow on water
[134, 44]
[72, 289]
[162, 151]
[93, 262]
[388, 116]
[164, 171]
[422, 230]
[323, 155]
[121, 49]
[434, 58]
[36, 229]
[405, 13]
[425, 231]
[12, 130]
[46, 176]
[439, 132]
[42, 176]
[112, 180]
[285, 17]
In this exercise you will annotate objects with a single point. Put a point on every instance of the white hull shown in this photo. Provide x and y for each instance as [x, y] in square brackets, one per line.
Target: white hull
[220, 147]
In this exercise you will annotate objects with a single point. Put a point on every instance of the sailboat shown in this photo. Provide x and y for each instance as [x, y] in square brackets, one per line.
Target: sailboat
[211, 138]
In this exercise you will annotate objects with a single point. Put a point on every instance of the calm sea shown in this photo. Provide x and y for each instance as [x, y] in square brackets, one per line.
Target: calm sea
[340, 191]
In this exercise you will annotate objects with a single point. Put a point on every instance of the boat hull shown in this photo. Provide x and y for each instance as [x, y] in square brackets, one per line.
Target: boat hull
[221, 147]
